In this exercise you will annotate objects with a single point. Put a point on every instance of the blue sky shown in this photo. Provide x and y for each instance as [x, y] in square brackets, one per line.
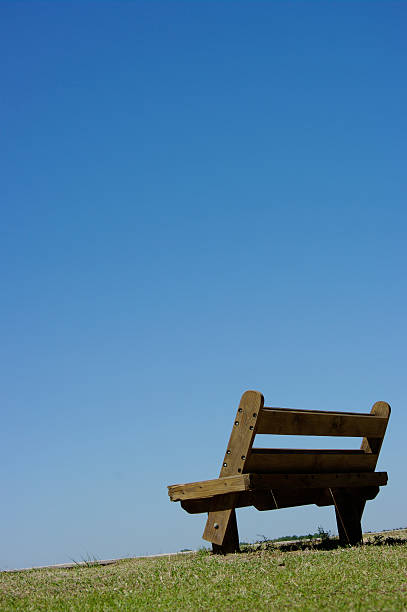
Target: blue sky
[197, 198]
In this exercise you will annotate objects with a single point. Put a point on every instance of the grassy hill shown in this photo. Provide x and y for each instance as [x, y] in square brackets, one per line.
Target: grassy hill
[370, 577]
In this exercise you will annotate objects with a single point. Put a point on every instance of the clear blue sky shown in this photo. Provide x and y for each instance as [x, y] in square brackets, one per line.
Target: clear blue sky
[197, 198]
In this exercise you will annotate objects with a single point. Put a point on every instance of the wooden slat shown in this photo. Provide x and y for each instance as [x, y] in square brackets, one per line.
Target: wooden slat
[219, 503]
[240, 443]
[209, 488]
[316, 481]
[261, 500]
[286, 421]
[300, 461]
[316, 411]
[270, 500]
[252, 482]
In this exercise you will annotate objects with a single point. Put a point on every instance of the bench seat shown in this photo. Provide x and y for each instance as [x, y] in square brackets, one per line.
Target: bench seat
[209, 489]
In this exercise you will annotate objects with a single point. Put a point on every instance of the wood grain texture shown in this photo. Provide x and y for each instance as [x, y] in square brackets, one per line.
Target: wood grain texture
[267, 500]
[238, 449]
[315, 481]
[243, 432]
[371, 444]
[210, 488]
[255, 482]
[297, 461]
[284, 421]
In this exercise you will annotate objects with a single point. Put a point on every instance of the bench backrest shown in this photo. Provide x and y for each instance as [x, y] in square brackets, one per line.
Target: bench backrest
[253, 418]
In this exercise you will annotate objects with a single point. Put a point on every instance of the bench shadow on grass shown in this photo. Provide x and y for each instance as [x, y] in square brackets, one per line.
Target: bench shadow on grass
[328, 543]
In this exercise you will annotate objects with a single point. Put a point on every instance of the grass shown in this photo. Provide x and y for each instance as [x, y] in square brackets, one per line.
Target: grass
[372, 577]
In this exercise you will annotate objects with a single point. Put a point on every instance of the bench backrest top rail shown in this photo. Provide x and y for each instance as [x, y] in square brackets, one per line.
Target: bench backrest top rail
[289, 421]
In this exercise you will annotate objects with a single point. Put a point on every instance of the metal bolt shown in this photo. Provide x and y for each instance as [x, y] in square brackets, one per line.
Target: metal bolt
[254, 414]
[225, 465]
[236, 423]
[251, 427]
[240, 410]
[228, 452]
[216, 526]
[243, 457]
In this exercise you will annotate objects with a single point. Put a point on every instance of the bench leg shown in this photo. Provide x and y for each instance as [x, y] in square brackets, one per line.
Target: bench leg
[231, 539]
[348, 510]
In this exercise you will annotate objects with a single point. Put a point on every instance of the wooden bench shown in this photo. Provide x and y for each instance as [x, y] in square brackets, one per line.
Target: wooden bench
[274, 478]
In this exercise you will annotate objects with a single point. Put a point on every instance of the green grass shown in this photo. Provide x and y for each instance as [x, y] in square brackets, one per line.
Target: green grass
[372, 577]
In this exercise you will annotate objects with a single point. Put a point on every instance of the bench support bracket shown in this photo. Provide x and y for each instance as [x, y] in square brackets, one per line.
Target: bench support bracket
[231, 539]
[348, 511]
